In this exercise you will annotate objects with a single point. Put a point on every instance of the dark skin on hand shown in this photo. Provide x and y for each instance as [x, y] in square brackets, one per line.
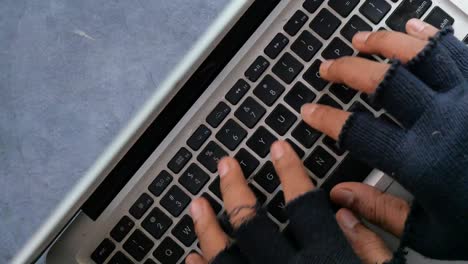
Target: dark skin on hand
[357, 199]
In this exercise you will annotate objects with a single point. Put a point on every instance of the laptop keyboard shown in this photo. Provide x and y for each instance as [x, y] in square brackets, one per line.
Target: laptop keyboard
[276, 98]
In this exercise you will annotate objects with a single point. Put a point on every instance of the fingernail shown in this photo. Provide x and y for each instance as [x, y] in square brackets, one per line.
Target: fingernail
[191, 259]
[196, 210]
[326, 65]
[343, 197]
[308, 109]
[362, 37]
[348, 219]
[277, 151]
[416, 25]
[223, 167]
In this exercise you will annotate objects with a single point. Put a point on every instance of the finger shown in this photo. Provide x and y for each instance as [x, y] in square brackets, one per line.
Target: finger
[238, 198]
[420, 29]
[393, 45]
[194, 258]
[290, 170]
[212, 238]
[384, 210]
[358, 73]
[369, 247]
[325, 119]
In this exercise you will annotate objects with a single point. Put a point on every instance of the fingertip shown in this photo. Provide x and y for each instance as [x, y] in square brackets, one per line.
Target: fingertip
[197, 208]
[415, 25]
[346, 219]
[224, 166]
[324, 68]
[342, 196]
[308, 110]
[361, 38]
[194, 258]
[278, 150]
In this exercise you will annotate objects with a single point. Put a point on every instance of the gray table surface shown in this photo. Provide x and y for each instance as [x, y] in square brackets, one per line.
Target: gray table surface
[72, 73]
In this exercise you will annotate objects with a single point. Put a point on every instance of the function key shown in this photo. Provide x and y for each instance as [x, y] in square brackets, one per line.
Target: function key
[300, 153]
[320, 162]
[193, 179]
[261, 141]
[354, 25]
[312, 5]
[261, 198]
[327, 100]
[281, 120]
[247, 162]
[237, 92]
[375, 10]
[218, 114]
[257, 69]
[250, 112]
[276, 46]
[231, 134]
[306, 46]
[343, 92]
[178, 162]
[138, 245]
[103, 251]
[325, 23]
[168, 252]
[312, 76]
[199, 137]
[156, 223]
[175, 201]
[343, 8]
[277, 206]
[336, 49]
[267, 177]
[269, 90]
[214, 204]
[120, 258]
[299, 96]
[211, 155]
[141, 205]
[333, 145]
[160, 183]
[407, 10]
[296, 22]
[439, 18]
[122, 228]
[184, 231]
[287, 68]
[306, 135]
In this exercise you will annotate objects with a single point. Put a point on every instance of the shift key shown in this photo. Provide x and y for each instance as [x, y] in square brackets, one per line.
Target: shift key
[407, 10]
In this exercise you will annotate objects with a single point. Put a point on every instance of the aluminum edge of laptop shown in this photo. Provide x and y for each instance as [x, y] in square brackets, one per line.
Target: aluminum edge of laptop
[67, 211]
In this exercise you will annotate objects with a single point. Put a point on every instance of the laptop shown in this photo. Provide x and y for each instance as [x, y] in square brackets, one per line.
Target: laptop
[238, 90]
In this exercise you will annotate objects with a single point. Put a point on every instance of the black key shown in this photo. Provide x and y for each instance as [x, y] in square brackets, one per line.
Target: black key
[354, 25]
[184, 231]
[276, 207]
[120, 258]
[199, 137]
[312, 76]
[287, 68]
[211, 155]
[231, 134]
[261, 198]
[218, 114]
[156, 223]
[320, 162]
[358, 107]
[343, 92]
[149, 261]
[372, 104]
[325, 23]
[175, 201]
[439, 18]
[281, 120]
[277, 45]
[141, 205]
[193, 179]
[103, 251]
[237, 92]
[306, 135]
[306, 46]
[267, 177]
[160, 183]
[299, 96]
[375, 10]
[214, 204]
[261, 141]
[333, 145]
[257, 68]
[178, 162]
[168, 252]
[215, 189]
[336, 49]
[269, 90]
[343, 8]
[296, 22]
[296, 148]
[247, 162]
[138, 245]
[121, 230]
[327, 100]
[407, 10]
[250, 112]
[312, 5]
